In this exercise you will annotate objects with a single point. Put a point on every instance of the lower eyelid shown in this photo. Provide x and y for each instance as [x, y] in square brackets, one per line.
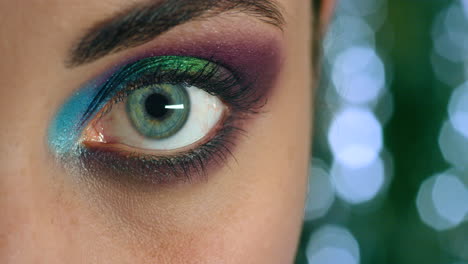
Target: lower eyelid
[114, 143]
[141, 168]
[114, 126]
[117, 166]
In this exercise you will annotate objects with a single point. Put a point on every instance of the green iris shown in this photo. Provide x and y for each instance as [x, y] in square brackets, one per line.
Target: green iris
[158, 111]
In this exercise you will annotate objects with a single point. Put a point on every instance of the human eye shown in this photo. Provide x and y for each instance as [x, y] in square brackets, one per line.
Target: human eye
[159, 119]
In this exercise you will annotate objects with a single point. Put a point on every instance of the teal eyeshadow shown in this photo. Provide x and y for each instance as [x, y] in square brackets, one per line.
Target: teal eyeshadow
[67, 125]
[65, 129]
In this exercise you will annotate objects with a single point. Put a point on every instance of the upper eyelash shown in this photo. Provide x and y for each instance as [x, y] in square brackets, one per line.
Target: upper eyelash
[225, 84]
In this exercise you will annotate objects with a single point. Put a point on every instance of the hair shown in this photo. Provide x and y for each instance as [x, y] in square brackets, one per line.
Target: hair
[316, 5]
[317, 37]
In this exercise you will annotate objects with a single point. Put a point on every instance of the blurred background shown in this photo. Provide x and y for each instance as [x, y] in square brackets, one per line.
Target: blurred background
[389, 173]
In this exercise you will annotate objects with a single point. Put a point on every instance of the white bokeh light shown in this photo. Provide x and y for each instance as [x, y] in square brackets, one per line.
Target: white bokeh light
[355, 137]
[385, 108]
[450, 197]
[358, 75]
[446, 71]
[458, 109]
[321, 193]
[333, 244]
[464, 4]
[454, 146]
[346, 31]
[442, 201]
[426, 209]
[455, 24]
[449, 34]
[360, 7]
[446, 48]
[358, 185]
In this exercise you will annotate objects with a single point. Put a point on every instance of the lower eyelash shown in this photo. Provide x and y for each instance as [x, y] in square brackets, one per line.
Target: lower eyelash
[143, 169]
[123, 166]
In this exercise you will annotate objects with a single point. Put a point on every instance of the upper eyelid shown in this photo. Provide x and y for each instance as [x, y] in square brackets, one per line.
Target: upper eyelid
[121, 77]
[142, 23]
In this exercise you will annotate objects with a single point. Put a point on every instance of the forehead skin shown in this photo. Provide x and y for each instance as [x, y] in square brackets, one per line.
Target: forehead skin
[248, 213]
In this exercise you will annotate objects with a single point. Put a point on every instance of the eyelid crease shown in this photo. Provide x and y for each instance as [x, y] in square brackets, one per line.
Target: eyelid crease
[140, 24]
[242, 79]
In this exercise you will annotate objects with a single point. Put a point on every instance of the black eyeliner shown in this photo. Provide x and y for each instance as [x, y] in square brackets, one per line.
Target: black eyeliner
[133, 166]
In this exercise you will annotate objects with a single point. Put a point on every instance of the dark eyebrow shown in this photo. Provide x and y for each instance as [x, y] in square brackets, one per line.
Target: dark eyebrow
[142, 23]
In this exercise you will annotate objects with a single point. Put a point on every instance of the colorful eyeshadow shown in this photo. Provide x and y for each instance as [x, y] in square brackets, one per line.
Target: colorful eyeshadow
[239, 72]
[73, 116]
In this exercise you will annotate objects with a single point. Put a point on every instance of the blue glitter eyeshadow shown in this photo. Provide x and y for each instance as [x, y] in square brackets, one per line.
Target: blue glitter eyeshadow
[73, 116]
[66, 127]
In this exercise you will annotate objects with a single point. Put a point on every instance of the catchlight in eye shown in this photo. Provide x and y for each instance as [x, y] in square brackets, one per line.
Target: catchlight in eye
[158, 111]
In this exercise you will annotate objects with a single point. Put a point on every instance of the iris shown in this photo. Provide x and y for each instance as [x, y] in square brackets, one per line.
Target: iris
[158, 111]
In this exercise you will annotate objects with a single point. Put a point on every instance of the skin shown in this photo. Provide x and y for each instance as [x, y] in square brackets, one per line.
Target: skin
[250, 211]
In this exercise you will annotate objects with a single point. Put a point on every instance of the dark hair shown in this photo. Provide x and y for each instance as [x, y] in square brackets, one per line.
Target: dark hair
[316, 5]
[317, 37]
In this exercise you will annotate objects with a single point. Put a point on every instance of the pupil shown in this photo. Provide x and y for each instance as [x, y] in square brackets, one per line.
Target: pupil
[156, 105]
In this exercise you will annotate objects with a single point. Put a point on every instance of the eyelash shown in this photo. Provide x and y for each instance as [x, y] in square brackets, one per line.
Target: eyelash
[230, 88]
[239, 96]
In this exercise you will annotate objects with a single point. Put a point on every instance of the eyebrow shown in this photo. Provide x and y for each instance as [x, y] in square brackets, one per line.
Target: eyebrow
[142, 23]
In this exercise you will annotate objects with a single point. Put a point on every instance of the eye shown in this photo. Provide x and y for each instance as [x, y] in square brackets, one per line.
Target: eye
[158, 117]
[158, 120]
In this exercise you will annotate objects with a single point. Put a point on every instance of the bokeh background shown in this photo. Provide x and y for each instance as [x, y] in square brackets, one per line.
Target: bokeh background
[389, 173]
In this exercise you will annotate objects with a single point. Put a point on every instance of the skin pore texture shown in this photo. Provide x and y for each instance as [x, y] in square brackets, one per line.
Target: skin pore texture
[247, 210]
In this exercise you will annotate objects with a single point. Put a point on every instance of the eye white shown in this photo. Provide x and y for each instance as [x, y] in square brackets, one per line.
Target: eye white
[205, 113]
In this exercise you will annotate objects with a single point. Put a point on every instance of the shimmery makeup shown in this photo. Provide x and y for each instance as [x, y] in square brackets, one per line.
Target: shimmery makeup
[65, 128]
[256, 65]
[257, 59]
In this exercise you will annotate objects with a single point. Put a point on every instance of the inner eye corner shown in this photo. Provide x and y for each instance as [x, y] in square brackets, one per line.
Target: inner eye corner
[129, 151]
